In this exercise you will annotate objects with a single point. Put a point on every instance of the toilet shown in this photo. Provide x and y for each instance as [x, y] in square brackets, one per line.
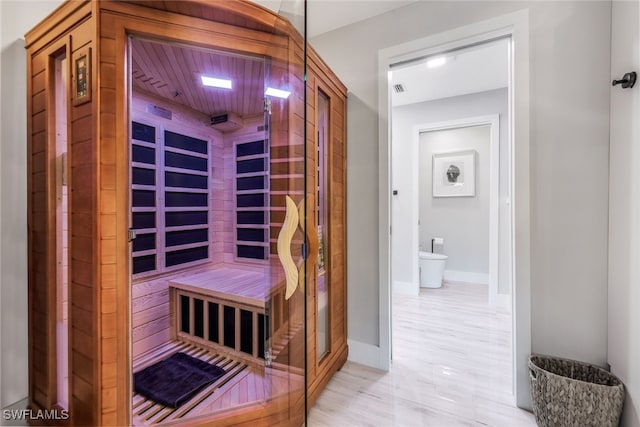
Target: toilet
[431, 269]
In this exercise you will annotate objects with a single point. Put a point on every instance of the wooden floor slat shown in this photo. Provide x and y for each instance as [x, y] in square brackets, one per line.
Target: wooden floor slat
[241, 386]
[147, 412]
[207, 404]
[220, 386]
[150, 358]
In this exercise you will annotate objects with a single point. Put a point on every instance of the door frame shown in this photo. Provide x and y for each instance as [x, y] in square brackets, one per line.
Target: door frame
[516, 26]
[493, 121]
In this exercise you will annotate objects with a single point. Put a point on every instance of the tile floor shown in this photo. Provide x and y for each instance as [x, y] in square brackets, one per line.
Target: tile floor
[451, 367]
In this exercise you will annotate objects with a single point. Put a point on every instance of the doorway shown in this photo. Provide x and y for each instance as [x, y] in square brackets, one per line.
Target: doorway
[458, 219]
[515, 28]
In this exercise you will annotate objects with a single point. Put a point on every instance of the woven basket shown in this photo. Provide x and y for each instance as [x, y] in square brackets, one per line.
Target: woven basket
[570, 393]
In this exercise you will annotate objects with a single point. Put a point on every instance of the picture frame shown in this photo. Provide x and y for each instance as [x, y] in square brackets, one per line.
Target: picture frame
[454, 174]
[81, 71]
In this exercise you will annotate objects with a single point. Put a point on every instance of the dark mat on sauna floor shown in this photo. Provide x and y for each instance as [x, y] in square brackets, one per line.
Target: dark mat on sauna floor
[174, 380]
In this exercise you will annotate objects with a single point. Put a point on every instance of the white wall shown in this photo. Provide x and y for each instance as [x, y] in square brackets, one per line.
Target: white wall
[463, 222]
[17, 18]
[624, 210]
[404, 119]
[569, 135]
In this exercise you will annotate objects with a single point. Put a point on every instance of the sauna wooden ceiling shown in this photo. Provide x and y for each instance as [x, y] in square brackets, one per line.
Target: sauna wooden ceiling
[174, 72]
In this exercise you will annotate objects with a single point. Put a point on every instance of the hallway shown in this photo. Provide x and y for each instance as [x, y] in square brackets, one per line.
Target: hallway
[451, 367]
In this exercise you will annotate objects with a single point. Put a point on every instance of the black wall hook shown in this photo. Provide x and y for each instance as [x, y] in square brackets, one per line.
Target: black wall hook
[628, 80]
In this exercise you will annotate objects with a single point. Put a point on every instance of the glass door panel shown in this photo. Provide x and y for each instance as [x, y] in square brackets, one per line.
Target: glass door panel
[217, 224]
[62, 234]
[217, 179]
[322, 286]
[210, 169]
[285, 97]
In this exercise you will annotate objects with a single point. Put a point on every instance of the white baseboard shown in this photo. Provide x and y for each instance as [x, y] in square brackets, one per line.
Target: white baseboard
[19, 405]
[466, 276]
[365, 354]
[405, 288]
[500, 300]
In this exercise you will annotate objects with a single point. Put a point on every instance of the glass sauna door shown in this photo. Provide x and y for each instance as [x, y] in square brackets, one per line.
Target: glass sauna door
[217, 174]
[288, 179]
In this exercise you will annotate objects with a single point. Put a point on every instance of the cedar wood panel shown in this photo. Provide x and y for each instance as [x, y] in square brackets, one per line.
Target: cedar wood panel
[321, 78]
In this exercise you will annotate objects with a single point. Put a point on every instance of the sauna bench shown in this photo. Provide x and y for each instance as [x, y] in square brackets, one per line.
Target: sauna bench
[231, 284]
[228, 308]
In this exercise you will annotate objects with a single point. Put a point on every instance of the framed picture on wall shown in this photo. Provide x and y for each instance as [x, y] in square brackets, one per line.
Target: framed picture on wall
[454, 174]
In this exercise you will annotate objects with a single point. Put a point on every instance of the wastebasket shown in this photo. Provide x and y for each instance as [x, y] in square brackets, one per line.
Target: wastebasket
[571, 393]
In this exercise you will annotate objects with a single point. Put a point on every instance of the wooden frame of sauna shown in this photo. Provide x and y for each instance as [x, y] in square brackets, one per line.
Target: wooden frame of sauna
[100, 363]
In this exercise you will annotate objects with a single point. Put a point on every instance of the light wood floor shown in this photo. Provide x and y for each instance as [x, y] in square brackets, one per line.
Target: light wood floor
[451, 367]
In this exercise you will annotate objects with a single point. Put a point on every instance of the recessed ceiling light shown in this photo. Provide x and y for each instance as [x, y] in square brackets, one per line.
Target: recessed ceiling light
[278, 93]
[216, 82]
[437, 62]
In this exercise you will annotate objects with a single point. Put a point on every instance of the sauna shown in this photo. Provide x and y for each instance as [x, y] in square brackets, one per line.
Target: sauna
[187, 215]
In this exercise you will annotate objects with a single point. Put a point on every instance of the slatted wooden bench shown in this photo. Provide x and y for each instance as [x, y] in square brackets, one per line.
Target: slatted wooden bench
[225, 309]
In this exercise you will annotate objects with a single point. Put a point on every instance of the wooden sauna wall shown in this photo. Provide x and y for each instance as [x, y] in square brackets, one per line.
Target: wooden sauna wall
[151, 323]
[248, 132]
[68, 30]
[287, 151]
[321, 79]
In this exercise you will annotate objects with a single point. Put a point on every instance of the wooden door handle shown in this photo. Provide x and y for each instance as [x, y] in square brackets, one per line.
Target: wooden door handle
[285, 237]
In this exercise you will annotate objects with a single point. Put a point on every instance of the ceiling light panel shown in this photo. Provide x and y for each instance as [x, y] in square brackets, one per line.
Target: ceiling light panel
[436, 62]
[278, 93]
[216, 82]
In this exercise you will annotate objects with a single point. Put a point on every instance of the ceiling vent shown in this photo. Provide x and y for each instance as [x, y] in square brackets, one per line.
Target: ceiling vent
[399, 88]
[226, 122]
[159, 111]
